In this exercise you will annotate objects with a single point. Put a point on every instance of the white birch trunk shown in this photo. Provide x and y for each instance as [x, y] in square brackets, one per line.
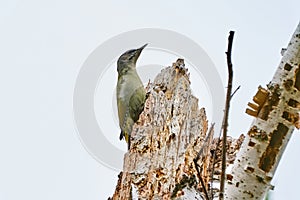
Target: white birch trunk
[277, 111]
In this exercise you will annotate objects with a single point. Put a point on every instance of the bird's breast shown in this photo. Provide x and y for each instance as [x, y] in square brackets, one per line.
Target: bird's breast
[127, 86]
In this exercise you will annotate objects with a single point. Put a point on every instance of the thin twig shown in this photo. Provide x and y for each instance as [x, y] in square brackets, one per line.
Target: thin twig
[227, 105]
[201, 180]
[214, 162]
[212, 175]
[205, 145]
[235, 91]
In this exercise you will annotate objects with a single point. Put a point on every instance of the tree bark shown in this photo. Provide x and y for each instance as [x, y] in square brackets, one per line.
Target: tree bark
[276, 111]
[168, 136]
[172, 130]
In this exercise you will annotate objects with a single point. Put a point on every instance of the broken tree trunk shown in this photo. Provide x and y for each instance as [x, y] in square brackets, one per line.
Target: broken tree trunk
[277, 111]
[170, 133]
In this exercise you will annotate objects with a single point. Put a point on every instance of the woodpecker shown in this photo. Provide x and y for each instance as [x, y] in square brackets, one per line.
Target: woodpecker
[131, 94]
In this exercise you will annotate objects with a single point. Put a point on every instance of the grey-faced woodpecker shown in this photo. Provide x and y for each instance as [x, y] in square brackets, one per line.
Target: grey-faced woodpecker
[131, 94]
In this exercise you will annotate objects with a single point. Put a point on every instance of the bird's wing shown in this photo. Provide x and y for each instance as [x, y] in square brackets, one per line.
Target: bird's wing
[136, 103]
[121, 111]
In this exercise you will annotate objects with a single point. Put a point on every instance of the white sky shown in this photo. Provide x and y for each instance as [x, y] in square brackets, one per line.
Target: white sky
[43, 45]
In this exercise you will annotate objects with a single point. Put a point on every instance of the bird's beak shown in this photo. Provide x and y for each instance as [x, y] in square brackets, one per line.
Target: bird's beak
[139, 50]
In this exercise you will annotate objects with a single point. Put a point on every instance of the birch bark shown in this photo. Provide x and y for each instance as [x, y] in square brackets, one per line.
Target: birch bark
[276, 110]
[172, 130]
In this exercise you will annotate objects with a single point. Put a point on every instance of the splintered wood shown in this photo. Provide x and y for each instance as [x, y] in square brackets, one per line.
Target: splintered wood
[167, 137]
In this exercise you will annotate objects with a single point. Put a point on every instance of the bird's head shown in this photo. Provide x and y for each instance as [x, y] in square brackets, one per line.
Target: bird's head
[128, 59]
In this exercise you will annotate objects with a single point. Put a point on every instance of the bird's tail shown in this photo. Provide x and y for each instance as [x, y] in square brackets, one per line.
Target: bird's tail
[126, 136]
[121, 135]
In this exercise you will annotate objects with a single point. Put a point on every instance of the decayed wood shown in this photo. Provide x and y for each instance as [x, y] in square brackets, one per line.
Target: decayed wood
[165, 140]
[168, 136]
[169, 142]
[276, 109]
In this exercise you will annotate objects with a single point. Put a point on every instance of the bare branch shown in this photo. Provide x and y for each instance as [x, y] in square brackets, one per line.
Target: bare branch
[227, 105]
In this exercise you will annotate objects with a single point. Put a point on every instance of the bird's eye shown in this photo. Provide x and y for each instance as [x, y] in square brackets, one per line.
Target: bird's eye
[131, 56]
